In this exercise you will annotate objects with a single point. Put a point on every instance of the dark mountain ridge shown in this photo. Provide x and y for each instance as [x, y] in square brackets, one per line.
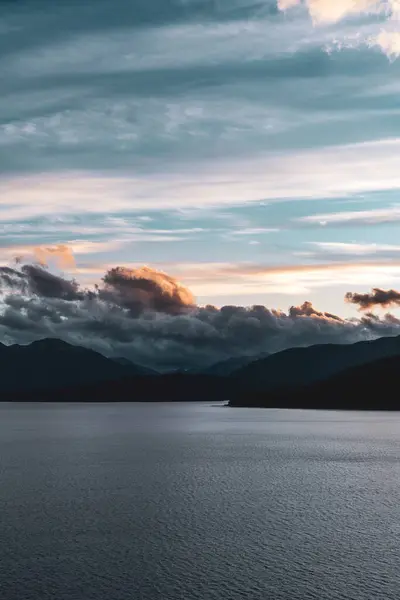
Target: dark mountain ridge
[52, 370]
[52, 363]
[227, 367]
[141, 369]
[303, 366]
[371, 386]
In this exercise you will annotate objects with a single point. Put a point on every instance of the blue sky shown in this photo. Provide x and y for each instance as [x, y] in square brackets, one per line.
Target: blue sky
[250, 149]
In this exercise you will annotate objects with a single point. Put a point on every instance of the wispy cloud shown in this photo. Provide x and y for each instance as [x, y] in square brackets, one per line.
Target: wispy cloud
[356, 249]
[368, 217]
[329, 172]
[213, 279]
[63, 255]
[254, 231]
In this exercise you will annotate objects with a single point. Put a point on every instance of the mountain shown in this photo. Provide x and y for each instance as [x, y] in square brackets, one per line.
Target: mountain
[303, 366]
[52, 363]
[229, 366]
[140, 369]
[51, 369]
[372, 386]
[174, 387]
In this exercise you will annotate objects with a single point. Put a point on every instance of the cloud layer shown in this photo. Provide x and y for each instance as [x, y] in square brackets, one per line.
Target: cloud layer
[149, 317]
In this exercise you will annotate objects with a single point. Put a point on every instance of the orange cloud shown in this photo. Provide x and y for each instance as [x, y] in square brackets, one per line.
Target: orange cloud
[61, 254]
[146, 287]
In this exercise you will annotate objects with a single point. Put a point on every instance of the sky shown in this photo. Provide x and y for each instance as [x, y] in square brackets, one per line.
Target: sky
[250, 149]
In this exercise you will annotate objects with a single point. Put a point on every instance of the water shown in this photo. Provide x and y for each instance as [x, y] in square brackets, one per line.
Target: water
[194, 501]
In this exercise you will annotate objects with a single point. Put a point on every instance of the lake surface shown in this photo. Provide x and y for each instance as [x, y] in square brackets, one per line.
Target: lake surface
[195, 501]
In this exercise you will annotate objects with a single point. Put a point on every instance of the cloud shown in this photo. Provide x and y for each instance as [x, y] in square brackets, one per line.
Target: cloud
[212, 280]
[151, 318]
[377, 297]
[35, 280]
[279, 273]
[253, 231]
[145, 289]
[308, 174]
[355, 248]
[389, 42]
[61, 254]
[325, 12]
[332, 11]
[307, 310]
[286, 4]
[342, 251]
[368, 217]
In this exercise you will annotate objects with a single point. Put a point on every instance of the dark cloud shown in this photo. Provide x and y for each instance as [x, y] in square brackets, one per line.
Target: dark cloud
[10, 278]
[43, 283]
[148, 317]
[377, 297]
[37, 280]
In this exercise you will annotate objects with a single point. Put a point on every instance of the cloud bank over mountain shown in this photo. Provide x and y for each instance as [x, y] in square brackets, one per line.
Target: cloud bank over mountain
[149, 317]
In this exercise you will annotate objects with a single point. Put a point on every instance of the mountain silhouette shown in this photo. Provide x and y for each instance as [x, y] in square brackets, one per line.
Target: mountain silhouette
[303, 366]
[317, 376]
[141, 370]
[52, 363]
[229, 366]
[372, 386]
